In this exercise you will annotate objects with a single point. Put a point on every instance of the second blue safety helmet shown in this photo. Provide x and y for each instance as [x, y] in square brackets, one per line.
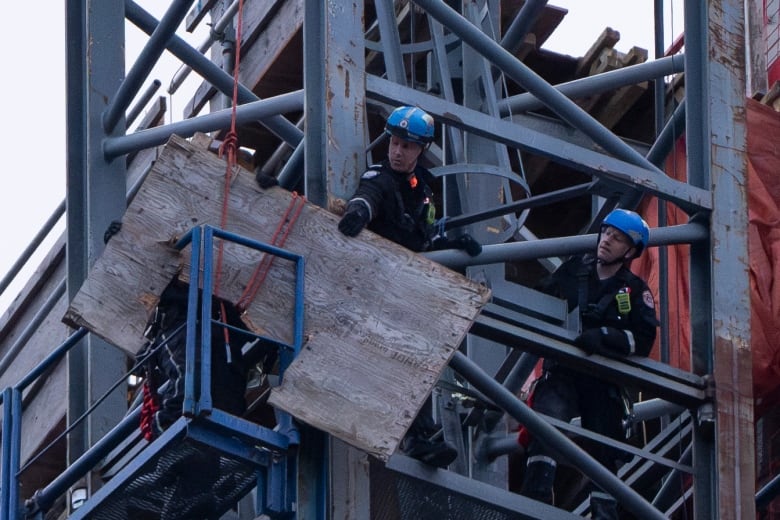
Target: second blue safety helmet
[411, 124]
[632, 225]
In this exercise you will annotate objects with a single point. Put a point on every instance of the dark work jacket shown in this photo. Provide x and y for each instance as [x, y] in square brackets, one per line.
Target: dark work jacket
[228, 371]
[602, 308]
[399, 212]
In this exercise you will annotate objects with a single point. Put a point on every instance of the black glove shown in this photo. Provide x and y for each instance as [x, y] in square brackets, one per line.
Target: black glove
[355, 219]
[466, 242]
[265, 181]
[589, 341]
[112, 230]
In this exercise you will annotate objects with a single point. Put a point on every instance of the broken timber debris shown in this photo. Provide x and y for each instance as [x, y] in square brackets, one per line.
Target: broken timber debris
[381, 322]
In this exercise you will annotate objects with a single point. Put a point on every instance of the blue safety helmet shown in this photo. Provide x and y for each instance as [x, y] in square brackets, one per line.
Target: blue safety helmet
[632, 225]
[410, 124]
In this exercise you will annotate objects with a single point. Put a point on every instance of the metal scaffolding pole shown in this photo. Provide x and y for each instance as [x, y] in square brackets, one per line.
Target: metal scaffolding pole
[604, 82]
[547, 247]
[220, 79]
[145, 62]
[552, 438]
[115, 146]
[522, 23]
[517, 70]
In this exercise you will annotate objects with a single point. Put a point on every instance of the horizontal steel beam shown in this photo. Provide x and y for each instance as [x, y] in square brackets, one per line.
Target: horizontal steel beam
[500, 501]
[690, 198]
[687, 390]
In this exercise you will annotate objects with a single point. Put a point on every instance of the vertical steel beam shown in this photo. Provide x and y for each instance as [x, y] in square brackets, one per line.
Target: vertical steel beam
[334, 82]
[660, 118]
[757, 67]
[95, 197]
[391, 41]
[6, 442]
[14, 464]
[724, 480]
[480, 92]
[334, 149]
[479, 192]
[732, 355]
[315, 39]
[701, 297]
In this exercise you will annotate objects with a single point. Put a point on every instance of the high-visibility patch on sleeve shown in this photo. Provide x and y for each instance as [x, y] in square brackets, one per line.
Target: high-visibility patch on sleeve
[369, 174]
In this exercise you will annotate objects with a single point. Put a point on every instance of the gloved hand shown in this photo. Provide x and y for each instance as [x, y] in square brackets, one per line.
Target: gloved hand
[590, 341]
[265, 181]
[113, 229]
[355, 219]
[466, 242]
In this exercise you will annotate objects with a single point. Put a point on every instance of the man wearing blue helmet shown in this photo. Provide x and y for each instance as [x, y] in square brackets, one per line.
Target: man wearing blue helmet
[617, 316]
[394, 198]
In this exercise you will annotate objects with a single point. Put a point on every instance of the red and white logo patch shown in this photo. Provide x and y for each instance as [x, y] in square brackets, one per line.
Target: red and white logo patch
[647, 297]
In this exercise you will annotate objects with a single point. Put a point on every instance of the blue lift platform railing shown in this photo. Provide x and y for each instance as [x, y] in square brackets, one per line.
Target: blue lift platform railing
[249, 455]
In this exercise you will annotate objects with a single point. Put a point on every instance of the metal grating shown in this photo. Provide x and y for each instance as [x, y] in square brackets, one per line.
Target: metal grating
[184, 481]
[408, 490]
[418, 499]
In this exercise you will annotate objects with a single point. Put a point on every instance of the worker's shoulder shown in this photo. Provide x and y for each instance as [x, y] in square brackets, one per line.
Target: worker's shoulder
[632, 279]
[576, 265]
[373, 171]
[378, 174]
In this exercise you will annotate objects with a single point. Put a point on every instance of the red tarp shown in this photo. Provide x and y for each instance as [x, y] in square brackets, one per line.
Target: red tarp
[763, 149]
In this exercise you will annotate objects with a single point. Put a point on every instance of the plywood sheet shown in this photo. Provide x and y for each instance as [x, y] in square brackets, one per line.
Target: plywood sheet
[381, 323]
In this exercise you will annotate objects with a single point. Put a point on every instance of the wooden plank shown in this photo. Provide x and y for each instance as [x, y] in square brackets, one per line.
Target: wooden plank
[381, 322]
[617, 105]
[606, 40]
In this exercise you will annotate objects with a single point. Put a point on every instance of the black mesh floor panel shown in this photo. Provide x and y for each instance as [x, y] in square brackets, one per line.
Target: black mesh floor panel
[187, 480]
[395, 496]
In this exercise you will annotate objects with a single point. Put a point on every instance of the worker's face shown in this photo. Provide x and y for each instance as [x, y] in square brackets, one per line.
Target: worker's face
[614, 245]
[403, 155]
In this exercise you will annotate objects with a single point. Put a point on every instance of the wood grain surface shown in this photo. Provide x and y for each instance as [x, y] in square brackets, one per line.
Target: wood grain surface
[381, 322]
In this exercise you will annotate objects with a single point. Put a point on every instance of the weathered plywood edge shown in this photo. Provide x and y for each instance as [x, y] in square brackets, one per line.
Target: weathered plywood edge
[381, 322]
[396, 375]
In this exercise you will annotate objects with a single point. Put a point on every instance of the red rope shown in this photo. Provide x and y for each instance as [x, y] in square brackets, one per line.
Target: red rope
[286, 223]
[230, 147]
[150, 406]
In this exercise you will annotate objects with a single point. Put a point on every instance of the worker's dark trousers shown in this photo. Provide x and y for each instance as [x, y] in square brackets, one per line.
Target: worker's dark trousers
[564, 396]
[423, 425]
[228, 380]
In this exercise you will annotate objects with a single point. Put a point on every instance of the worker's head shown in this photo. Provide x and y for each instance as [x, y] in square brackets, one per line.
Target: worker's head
[411, 131]
[623, 237]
